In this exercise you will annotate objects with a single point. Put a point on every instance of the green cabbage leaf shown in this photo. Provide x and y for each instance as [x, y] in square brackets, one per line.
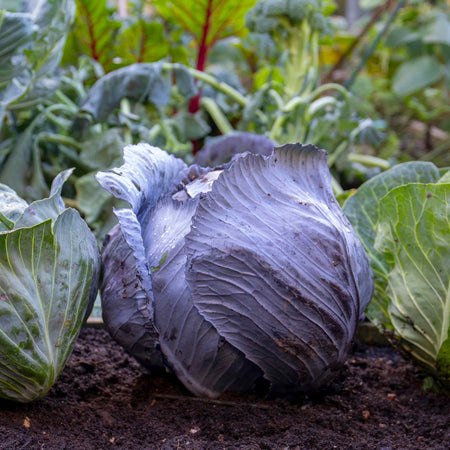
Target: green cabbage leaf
[403, 220]
[49, 268]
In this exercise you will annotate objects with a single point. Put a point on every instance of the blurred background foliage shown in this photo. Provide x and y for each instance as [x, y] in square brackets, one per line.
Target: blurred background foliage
[367, 80]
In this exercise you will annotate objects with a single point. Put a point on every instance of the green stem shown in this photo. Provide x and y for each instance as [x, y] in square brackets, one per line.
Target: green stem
[154, 131]
[172, 143]
[25, 105]
[330, 86]
[277, 97]
[61, 122]
[299, 100]
[294, 62]
[337, 188]
[77, 86]
[2, 16]
[66, 100]
[212, 81]
[305, 62]
[217, 115]
[125, 108]
[315, 53]
[293, 103]
[337, 152]
[368, 160]
[60, 139]
[58, 107]
[38, 176]
[276, 127]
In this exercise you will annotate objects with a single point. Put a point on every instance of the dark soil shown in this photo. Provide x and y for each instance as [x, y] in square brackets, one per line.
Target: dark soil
[104, 399]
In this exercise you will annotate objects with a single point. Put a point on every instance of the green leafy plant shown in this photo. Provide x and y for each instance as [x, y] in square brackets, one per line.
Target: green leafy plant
[207, 21]
[423, 33]
[94, 32]
[402, 217]
[88, 116]
[406, 79]
[49, 267]
[113, 41]
[31, 41]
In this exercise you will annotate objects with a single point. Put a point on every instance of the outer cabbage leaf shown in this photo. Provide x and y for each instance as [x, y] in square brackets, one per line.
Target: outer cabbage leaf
[47, 208]
[127, 298]
[49, 270]
[362, 209]
[200, 357]
[275, 266]
[413, 237]
[445, 178]
[146, 175]
[11, 207]
[137, 303]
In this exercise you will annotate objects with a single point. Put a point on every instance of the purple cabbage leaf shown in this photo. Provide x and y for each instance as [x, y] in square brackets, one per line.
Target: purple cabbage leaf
[228, 276]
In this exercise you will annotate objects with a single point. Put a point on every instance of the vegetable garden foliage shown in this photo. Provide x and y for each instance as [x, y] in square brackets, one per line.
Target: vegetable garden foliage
[113, 89]
[32, 41]
[49, 268]
[82, 117]
[407, 78]
[233, 274]
[403, 220]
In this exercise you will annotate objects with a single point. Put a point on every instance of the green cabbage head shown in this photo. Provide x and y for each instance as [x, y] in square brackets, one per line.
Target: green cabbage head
[49, 267]
[402, 217]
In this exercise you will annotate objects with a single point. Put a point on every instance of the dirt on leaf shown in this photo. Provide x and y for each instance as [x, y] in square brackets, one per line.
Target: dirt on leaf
[104, 399]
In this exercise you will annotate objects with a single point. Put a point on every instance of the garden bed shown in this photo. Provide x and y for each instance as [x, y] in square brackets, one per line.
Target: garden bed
[104, 399]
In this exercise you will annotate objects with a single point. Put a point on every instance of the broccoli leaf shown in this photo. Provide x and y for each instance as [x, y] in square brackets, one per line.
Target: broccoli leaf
[140, 82]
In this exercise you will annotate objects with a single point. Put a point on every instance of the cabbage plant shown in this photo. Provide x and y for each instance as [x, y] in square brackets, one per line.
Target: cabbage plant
[49, 267]
[231, 275]
[402, 217]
